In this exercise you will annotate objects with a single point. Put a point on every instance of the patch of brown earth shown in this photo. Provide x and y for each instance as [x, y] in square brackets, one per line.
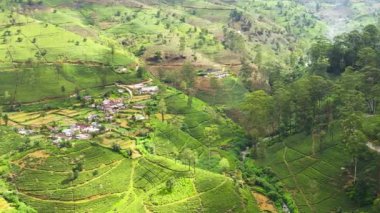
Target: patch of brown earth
[39, 154]
[264, 203]
[104, 25]
[81, 31]
[33, 159]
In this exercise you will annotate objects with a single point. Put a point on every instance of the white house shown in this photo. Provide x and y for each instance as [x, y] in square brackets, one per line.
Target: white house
[136, 86]
[83, 136]
[92, 117]
[24, 131]
[139, 117]
[59, 138]
[139, 106]
[68, 132]
[91, 129]
[149, 90]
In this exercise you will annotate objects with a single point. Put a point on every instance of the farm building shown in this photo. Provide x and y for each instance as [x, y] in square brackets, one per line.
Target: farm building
[23, 131]
[151, 90]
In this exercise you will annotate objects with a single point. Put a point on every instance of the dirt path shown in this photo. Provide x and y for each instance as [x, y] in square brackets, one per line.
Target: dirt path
[126, 88]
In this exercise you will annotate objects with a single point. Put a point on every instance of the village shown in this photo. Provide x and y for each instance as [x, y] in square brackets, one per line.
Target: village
[101, 115]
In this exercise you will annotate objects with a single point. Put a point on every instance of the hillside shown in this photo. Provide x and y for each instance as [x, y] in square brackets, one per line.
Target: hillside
[324, 126]
[126, 167]
[52, 61]
[189, 106]
[109, 181]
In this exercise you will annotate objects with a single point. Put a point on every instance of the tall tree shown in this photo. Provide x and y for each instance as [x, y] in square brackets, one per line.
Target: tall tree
[349, 98]
[257, 107]
[303, 107]
[140, 72]
[354, 139]
[188, 156]
[182, 44]
[1, 115]
[245, 73]
[211, 134]
[318, 55]
[5, 119]
[318, 90]
[371, 87]
[367, 57]
[162, 109]
[188, 76]
[284, 109]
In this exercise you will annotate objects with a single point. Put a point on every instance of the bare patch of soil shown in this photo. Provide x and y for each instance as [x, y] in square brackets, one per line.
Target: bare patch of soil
[33, 159]
[264, 203]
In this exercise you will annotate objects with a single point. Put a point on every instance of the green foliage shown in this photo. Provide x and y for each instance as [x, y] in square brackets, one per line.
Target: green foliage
[258, 107]
[85, 42]
[175, 189]
[162, 109]
[376, 205]
[20, 206]
[362, 192]
[140, 72]
[319, 179]
[116, 147]
[355, 49]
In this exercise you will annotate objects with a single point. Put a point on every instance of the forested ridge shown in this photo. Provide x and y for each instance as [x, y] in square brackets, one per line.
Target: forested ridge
[335, 96]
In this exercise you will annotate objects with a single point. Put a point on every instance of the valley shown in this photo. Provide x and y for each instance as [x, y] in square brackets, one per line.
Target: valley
[189, 106]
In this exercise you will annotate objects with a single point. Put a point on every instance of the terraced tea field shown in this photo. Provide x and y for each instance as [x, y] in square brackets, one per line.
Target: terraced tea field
[315, 181]
[43, 180]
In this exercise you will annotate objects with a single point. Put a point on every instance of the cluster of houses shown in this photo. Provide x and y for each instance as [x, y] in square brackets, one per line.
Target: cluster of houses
[112, 106]
[109, 106]
[77, 131]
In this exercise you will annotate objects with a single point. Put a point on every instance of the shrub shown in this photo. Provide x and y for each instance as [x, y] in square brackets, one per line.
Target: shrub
[170, 184]
[116, 147]
[274, 196]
